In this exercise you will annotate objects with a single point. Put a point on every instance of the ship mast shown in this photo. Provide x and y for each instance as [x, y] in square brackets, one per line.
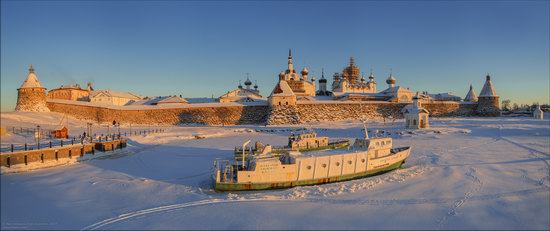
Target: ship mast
[366, 132]
[244, 149]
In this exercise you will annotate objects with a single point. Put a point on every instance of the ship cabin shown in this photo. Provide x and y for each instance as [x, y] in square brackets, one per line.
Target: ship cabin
[377, 147]
[306, 141]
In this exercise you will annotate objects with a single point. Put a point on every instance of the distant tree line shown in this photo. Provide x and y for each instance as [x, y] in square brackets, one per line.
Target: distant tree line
[508, 106]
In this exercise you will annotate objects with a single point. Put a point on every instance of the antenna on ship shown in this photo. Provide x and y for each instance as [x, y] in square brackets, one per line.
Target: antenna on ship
[244, 149]
[366, 132]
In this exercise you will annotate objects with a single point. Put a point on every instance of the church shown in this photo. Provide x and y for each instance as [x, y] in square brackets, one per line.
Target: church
[242, 94]
[292, 86]
[350, 81]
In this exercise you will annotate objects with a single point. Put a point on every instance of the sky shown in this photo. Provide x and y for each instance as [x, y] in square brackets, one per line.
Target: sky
[203, 48]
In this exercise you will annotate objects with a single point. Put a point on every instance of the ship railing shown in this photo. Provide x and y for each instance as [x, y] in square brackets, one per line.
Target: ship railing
[224, 169]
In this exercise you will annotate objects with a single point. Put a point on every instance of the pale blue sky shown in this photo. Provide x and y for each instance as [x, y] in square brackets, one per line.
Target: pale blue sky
[202, 48]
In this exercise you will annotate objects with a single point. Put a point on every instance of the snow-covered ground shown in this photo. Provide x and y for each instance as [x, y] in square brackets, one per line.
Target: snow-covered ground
[464, 173]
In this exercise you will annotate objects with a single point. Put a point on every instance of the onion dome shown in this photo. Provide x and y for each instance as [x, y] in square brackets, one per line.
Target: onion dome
[371, 76]
[391, 80]
[240, 86]
[305, 71]
[363, 79]
[255, 85]
[247, 82]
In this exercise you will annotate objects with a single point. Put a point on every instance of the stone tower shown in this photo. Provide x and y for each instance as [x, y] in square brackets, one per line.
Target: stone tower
[31, 96]
[471, 96]
[487, 101]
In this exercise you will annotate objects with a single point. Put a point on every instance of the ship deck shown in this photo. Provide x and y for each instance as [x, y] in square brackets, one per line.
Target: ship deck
[328, 152]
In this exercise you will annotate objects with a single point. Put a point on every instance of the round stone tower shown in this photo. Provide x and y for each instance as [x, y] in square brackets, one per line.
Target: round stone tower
[488, 101]
[31, 96]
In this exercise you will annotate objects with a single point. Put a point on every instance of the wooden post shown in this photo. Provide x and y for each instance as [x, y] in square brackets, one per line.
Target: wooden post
[25, 146]
[11, 147]
[61, 143]
[50, 144]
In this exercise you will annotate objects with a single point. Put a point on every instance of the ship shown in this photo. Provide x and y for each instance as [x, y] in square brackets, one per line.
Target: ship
[268, 170]
[303, 142]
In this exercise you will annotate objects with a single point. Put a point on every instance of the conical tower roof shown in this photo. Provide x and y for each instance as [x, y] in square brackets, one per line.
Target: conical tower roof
[488, 90]
[32, 80]
[471, 96]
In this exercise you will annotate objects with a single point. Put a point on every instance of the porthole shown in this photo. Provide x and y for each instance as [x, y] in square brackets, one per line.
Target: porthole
[324, 165]
[308, 167]
[349, 162]
[362, 160]
[337, 163]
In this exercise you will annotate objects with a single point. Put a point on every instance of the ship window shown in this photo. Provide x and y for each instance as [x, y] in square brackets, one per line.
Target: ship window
[363, 160]
[308, 167]
[337, 163]
[324, 165]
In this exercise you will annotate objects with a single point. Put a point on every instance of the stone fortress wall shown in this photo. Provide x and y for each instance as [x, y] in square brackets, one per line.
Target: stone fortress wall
[334, 111]
[254, 114]
[218, 115]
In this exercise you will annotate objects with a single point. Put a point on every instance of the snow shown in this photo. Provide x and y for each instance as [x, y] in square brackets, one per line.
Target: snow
[149, 107]
[463, 173]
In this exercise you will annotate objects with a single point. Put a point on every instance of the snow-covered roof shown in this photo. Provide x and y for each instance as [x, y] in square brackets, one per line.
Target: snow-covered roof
[171, 99]
[488, 89]
[306, 98]
[70, 86]
[77, 86]
[414, 108]
[282, 89]
[32, 80]
[392, 90]
[242, 92]
[120, 94]
[201, 100]
[161, 100]
[471, 96]
[445, 96]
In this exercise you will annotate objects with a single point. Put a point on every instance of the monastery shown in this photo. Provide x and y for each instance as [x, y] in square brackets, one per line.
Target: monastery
[296, 98]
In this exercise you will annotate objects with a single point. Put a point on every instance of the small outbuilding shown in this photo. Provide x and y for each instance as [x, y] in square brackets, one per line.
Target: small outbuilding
[538, 113]
[416, 116]
[61, 133]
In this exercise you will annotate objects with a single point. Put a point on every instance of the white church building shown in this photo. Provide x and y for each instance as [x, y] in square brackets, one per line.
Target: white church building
[538, 113]
[416, 116]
